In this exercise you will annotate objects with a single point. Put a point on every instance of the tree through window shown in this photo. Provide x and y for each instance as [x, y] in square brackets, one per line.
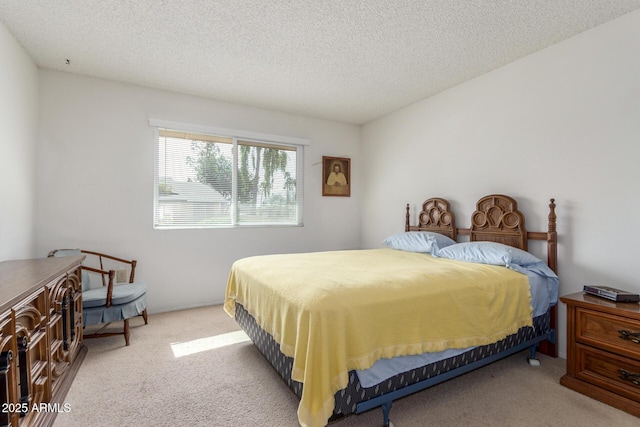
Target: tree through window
[216, 181]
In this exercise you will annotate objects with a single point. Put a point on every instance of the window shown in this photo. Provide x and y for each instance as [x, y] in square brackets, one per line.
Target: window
[224, 178]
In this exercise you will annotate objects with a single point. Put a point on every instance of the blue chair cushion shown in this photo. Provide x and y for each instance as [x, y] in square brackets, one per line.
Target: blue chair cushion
[122, 294]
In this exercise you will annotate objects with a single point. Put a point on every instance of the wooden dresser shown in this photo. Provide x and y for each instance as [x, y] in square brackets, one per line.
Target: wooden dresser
[603, 350]
[41, 345]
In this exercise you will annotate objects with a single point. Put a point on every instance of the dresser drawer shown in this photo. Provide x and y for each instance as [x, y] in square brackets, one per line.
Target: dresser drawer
[609, 371]
[609, 332]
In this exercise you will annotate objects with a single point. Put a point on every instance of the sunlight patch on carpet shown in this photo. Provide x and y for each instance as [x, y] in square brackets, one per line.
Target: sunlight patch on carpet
[181, 349]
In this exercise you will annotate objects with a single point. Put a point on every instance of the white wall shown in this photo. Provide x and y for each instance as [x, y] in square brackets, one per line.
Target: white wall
[95, 185]
[19, 124]
[563, 123]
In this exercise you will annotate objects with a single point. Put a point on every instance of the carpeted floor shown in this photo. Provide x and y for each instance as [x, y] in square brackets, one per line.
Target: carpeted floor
[182, 370]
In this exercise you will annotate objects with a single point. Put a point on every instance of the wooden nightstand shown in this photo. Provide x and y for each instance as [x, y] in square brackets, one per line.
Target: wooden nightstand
[603, 350]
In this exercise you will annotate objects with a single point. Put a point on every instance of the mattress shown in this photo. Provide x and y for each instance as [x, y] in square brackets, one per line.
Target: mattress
[347, 399]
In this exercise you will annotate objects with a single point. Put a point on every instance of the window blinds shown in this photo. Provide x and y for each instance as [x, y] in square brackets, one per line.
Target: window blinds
[206, 180]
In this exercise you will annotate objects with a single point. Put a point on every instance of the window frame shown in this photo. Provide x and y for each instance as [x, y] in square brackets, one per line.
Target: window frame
[238, 136]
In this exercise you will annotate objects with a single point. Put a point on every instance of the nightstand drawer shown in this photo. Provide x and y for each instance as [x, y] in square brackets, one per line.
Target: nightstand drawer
[609, 332]
[615, 373]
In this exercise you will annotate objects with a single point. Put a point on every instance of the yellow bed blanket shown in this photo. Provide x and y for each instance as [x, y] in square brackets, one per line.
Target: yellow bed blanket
[336, 311]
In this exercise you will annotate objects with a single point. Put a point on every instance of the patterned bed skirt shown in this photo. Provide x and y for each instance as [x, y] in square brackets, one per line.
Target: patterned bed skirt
[347, 398]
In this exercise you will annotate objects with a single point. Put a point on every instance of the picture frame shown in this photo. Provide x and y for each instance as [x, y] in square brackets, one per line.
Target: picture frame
[336, 176]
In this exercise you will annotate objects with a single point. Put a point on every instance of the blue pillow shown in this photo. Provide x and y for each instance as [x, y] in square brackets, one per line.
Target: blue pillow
[488, 253]
[522, 258]
[426, 242]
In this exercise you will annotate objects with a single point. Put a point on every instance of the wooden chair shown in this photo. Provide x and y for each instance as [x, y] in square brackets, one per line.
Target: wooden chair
[110, 302]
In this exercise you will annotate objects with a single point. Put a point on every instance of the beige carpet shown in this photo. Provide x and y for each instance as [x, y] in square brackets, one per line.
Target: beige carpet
[155, 382]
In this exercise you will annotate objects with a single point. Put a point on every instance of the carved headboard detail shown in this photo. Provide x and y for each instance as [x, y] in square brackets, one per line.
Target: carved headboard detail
[497, 219]
[436, 216]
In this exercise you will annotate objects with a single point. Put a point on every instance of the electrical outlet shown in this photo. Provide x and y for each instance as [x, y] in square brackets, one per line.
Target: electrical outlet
[121, 276]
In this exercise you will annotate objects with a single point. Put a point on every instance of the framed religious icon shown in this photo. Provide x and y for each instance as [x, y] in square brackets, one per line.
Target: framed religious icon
[336, 176]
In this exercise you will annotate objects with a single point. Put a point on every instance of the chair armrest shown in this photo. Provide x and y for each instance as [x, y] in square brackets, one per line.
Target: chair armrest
[132, 263]
[111, 274]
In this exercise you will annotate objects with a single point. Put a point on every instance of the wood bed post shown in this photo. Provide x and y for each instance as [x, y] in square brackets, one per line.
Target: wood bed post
[552, 238]
[550, 347]
[406, 223]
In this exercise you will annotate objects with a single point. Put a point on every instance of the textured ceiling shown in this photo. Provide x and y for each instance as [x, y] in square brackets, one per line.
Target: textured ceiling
[346, 60]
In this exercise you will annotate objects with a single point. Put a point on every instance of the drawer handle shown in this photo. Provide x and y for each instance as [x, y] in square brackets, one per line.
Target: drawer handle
[630, 336]
[629, 376]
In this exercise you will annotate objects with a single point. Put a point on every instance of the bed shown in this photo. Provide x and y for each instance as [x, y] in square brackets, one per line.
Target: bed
[349, 331]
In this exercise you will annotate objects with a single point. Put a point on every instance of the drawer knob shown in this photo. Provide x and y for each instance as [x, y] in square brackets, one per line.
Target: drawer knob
[630, 336]
[629, 376]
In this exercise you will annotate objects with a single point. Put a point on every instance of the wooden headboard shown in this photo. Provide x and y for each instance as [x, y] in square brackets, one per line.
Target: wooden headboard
[436, 216]
[496, 219]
